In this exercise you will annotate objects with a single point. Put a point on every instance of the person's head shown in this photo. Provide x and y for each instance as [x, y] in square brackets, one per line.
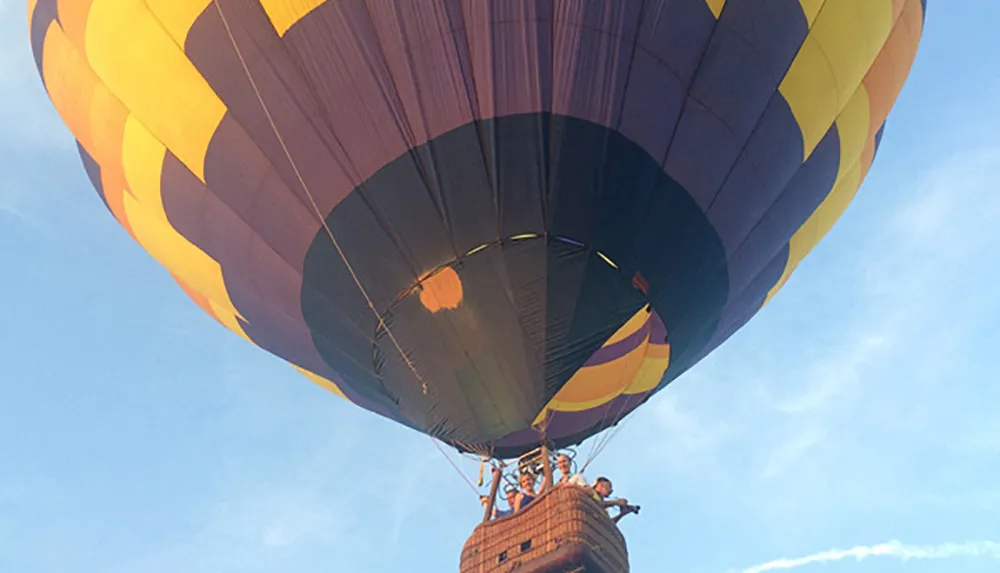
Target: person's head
[603, 487]
[527, 482]
[563, 463]
[511, 496]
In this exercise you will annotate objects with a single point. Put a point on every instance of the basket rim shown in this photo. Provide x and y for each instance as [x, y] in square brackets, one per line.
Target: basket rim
[533, 507]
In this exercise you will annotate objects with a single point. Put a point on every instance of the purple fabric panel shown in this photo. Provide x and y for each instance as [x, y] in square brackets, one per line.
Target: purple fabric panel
[337, 47]
[658, 330]
[290, 104]
[260, 283]
[783, 218]
[615, 351]
[593, 48]
[653, 103]
[508, 43]
[677, 32]
[702, 151]
[767, 165]
[428, 68]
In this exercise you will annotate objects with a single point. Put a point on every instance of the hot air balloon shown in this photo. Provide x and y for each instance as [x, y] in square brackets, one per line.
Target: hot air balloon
[497, 222]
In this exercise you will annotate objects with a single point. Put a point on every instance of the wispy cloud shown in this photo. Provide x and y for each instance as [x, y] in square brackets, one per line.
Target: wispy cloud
[894, 549]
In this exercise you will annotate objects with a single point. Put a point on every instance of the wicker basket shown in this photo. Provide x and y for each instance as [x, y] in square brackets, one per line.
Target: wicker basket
[564, 530]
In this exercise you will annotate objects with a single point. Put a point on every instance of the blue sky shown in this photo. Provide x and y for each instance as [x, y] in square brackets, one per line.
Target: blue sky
[858, 409]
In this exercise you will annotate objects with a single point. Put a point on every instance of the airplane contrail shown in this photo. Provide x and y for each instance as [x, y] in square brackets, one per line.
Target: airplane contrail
[987, 549]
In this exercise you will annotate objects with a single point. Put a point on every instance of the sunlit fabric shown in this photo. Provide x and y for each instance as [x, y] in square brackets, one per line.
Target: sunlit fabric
[487, 220]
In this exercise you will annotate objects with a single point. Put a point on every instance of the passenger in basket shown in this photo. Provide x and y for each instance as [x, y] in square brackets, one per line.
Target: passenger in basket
[568, 477]
[511, 502]
[497, 512]
[527, 493]
[603, 490]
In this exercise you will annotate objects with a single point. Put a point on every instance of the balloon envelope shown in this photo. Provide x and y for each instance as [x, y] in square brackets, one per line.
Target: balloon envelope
[479, 218]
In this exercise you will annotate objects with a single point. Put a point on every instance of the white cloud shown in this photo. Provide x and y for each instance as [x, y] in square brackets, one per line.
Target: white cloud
[985, 549]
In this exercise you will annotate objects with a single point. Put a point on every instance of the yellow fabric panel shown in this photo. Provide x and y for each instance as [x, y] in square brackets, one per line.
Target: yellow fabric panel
[657, 351]
[865, 112]
[842, 44]
[851, 33]
[113, 183]
[593, 385]
[73, 19]
[838, 200]
[321, 382]
[143, 162]
[107, 127]
[888, 73]
[649, 375]
[716, 7]
[819, 224]
[177, 16]
[198, 298]
[853, 130]
[153, 78]
[70, 83]
[285, 13]
[644, 379]
[633, 325]
[811, 92]
[228, 318]
[638, 371]
[811, 9]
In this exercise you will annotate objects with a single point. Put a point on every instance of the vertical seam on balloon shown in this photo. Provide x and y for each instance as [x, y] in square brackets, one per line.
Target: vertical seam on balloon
[468, 79]
[347, 164]
[477, 111]
[486, 164]
[351, 323]
[832, 128]
[140, 122]
[694, 78]
[354, 173]
[427, 172]
[411, 151]
[366, 201]
[126, 187]
[351, 170]
[495, 181]
[856, 163]
[774, 97]
[329, 231]
[608, 85]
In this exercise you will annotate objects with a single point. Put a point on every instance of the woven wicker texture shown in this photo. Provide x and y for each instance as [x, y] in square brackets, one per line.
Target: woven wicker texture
[562, 530]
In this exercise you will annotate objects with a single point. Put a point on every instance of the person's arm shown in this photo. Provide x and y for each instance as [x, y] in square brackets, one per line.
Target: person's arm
[621, 502]
[624, 510]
